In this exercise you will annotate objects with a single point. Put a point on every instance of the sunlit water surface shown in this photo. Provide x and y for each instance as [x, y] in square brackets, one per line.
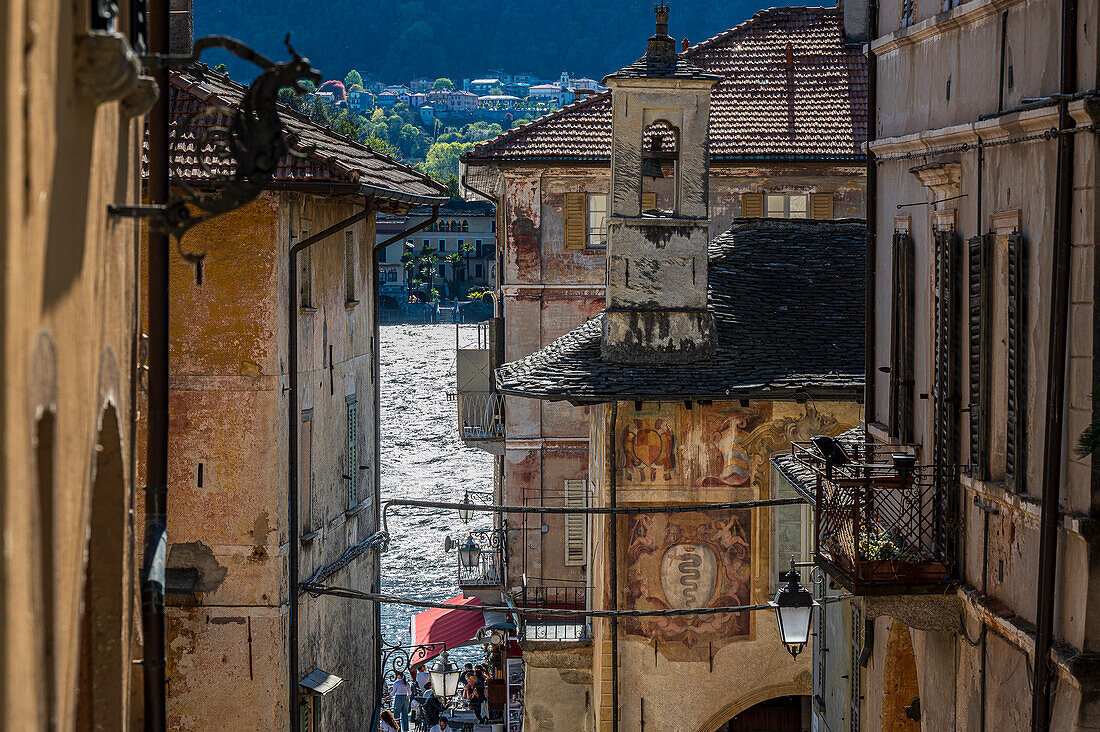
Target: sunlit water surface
[422, 457]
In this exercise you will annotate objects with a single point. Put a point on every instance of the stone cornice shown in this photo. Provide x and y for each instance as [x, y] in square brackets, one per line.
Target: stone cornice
[931, 142]
[940, 24]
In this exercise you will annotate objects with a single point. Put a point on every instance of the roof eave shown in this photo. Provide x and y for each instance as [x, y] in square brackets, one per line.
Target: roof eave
[413, 199]
[786, 394]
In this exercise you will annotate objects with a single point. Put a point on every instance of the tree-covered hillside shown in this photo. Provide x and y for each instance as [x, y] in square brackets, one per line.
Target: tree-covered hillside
[397, 40]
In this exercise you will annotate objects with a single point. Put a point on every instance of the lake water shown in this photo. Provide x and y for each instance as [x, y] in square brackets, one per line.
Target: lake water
[422, 457]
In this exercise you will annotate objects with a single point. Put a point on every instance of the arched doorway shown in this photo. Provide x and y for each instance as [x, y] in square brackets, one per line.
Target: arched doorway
[102, 665]
[778, 714]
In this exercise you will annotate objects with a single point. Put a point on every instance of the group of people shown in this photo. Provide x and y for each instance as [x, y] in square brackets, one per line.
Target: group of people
[431, 706]
[473, 692]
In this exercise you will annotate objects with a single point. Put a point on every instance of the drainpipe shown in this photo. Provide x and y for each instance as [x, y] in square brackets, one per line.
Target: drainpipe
[156, 446]
[376, 380]
[292, 451]
[869, 368]
[613, 543]
[1056, 379]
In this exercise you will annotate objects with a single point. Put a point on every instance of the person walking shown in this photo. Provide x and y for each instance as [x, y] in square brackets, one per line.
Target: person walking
[386, 722]
[401, 692]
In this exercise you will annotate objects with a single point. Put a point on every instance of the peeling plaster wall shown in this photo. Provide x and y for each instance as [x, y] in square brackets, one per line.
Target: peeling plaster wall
[228, 642]
[67, 328]
[549, 290]
[717, 667]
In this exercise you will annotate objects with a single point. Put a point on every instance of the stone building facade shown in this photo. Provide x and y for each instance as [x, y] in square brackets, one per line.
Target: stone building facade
[70, 129]
[228, 586]
[985, 215]
[697, 370]
[785, 134]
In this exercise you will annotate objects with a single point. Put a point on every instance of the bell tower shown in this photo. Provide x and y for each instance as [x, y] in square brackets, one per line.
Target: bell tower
[657, 227]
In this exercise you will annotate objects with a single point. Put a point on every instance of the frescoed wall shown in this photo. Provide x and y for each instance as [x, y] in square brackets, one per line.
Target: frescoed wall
[672, 453]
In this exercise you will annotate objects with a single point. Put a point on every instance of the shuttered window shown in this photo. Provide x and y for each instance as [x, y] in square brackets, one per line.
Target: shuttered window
[1015, 444]
[576, 524]
[821, 205]
[305, 472]
[945, 363]
[305, 274]
[901, 339]
[979, 300]
[352, 469]
[596, 221]
[575, 220]
[351, 256]
[752, 205]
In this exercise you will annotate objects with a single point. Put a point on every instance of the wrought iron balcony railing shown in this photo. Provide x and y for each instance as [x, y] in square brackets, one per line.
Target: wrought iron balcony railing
[880, 519]
[566, 597]
[491, 565]
[480, 415]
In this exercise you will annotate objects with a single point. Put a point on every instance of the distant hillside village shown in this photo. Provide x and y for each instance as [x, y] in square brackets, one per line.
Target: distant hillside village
[431, 123]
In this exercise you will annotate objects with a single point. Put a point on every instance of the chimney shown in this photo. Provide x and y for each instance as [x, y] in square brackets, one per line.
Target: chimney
[181, 28]
[683, 45]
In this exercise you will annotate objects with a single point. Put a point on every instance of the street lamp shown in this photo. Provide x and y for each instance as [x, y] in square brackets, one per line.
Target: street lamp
[464, 512]
[444, 676]
[793, 605]
[469, 553]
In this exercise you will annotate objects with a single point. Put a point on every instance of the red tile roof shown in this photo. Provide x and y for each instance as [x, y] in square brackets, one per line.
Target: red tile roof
[322, 156]
[806, 103]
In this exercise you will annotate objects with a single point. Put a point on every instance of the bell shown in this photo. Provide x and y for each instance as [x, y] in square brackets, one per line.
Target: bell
[651, 167]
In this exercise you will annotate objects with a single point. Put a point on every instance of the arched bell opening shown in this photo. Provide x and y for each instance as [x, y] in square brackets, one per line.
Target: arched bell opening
[661, 168]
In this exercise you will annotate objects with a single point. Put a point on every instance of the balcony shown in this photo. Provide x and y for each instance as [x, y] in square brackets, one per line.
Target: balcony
[544, 628]
[883, 524]
[488, 549]
[480, 408]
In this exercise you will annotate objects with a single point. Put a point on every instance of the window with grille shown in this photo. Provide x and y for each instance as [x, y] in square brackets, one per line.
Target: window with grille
[902, 334]
[791, 531]
[352, 469]
[305, 274]
[576, 524]
[351, 256]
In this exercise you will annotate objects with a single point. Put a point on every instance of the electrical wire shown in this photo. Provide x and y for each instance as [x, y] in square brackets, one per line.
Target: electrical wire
[316, 590]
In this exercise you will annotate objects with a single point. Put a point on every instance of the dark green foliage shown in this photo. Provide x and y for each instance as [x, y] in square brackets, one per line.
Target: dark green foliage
[403, 39]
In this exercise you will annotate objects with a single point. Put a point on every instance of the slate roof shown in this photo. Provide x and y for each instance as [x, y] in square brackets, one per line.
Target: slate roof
[788, 303]
[810, 104]
[323, 155]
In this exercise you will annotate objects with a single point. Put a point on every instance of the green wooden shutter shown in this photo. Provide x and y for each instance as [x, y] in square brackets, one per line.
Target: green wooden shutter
[979, 270]
[353, 452]
[901, 340]
[575, 225]
[945, 362]
[1015, 444]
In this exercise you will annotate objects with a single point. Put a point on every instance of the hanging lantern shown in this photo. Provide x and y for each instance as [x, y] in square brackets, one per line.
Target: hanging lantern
[469, 553]
[464, 513]
[793, 605]
[444, 677]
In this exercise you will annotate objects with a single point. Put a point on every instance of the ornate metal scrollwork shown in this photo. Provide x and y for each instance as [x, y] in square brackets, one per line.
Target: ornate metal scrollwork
[397, 658]
[249, 139]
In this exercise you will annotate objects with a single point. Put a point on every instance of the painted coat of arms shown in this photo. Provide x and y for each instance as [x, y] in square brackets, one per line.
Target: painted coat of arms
[648, 451]
[689, 560]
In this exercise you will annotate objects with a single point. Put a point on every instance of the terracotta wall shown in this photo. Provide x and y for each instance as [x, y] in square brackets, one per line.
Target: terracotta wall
[67, 330]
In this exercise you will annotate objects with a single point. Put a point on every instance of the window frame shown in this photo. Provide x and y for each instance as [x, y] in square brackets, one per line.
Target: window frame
[781, 560]
[787, 199]
[589, 232]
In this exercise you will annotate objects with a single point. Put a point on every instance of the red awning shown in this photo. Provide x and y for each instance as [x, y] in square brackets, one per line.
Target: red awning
[450, 627]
